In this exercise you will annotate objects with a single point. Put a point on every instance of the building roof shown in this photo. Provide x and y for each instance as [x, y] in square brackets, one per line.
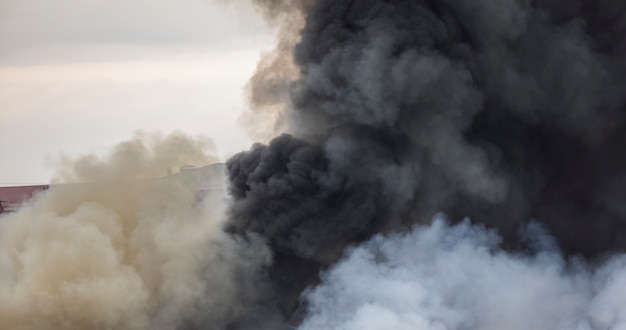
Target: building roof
[12, 197]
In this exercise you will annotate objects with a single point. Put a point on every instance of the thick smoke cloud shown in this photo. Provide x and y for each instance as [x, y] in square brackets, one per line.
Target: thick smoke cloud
[394, 111]
[127, 252]
[499, 110]
[457, 277]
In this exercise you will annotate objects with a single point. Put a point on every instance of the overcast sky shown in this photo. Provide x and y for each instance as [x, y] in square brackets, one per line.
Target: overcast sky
[78, 76]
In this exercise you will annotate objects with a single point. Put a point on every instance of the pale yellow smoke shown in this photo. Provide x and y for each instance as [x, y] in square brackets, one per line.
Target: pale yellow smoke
[122, 252]
[146, 155]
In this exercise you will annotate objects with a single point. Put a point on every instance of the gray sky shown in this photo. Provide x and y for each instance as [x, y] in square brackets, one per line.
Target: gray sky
[78, 76]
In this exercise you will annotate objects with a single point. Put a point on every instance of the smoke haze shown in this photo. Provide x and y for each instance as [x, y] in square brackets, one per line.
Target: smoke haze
[372, 117]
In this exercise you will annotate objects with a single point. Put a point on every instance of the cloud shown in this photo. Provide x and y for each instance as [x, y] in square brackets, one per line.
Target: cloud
[94, 29]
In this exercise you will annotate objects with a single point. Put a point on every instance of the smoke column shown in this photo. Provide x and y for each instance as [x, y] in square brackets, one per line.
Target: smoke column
[393, 111]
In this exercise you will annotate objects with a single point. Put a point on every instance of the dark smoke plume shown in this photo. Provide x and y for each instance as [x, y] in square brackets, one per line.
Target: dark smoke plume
[502, 111]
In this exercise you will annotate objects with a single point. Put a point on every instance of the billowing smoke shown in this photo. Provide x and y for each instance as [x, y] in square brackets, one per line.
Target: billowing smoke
[126, 252]
[456, 277]
[410, 108]
[394, 111]
[383, 114]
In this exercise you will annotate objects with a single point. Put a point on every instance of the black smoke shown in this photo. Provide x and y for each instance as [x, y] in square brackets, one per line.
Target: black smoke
[501, 111]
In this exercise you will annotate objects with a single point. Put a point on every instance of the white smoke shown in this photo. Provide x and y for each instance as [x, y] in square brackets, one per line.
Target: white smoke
[457, 277]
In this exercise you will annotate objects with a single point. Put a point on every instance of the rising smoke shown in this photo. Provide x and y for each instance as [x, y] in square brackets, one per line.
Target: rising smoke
[384, 114]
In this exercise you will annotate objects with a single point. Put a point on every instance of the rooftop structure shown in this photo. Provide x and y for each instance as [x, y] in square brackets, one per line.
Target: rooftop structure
[12, 197]
[203, 179]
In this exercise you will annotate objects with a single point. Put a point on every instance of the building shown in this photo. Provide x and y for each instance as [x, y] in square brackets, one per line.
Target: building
[211, 177]
[204, 180]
